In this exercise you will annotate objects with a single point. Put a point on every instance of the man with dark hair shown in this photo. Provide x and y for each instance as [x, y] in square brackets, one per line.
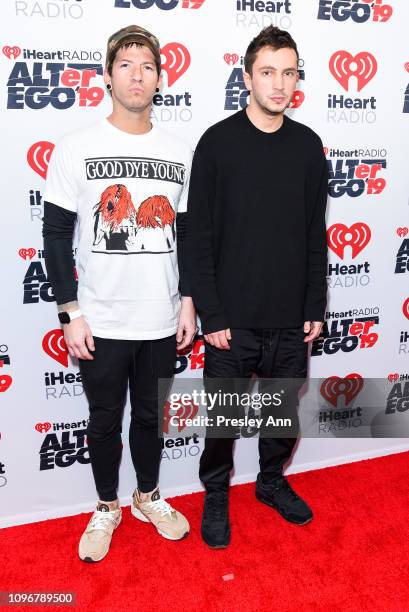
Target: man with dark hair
[125, 181]
[257, 248]
[269, 37]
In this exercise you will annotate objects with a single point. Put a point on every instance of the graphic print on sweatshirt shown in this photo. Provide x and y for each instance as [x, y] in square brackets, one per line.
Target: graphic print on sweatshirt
[121, 228]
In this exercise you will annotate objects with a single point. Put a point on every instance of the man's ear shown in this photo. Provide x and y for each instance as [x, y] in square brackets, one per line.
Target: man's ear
[107, 78]
[247, 80]
[160, 81]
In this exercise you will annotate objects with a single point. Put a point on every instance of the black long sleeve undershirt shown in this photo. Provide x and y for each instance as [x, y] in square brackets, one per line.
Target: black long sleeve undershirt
[58, 232]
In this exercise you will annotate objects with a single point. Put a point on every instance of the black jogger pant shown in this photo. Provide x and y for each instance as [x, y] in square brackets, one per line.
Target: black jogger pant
[117, 364]
[269, 353]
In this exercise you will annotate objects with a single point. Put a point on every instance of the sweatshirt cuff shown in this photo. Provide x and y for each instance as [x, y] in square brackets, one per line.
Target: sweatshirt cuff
[213, 323]
[315, 311]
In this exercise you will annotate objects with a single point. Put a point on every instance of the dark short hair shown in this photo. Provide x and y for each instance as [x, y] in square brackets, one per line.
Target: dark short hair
[269, 37]
[129, 40]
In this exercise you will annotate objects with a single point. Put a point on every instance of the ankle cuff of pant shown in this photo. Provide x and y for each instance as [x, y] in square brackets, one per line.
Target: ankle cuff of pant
[108, 496]
[147, 488]
[218, 489]
[270, 478]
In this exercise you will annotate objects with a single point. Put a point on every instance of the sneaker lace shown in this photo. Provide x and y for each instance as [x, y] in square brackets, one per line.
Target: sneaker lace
[287, 490]
[100, 520]
[161, 506]
[217, 507]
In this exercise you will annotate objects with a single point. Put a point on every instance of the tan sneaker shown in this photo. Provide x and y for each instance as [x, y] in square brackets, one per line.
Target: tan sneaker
[96, 539]
[170, 523]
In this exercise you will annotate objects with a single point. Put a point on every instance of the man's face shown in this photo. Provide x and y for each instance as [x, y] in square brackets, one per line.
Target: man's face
[273, 80]
[134, 78]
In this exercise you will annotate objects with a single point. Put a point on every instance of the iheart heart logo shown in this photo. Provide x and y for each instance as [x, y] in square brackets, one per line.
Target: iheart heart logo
[334, 386]
[11, 52]
[5, 382]
[343, 65]
[357, 237]
[54, 345]
[405, 308]
[38, 157]
[177, 61]
[297, 99]
[231, 58]
[402, 231]
[181, 413]
[27, 253]
[325, 151]
[407, 66]
[393, 377]
[43, 427]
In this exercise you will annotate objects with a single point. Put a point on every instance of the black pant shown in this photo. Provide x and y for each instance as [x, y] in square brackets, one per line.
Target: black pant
[269, 353]
[117, 363]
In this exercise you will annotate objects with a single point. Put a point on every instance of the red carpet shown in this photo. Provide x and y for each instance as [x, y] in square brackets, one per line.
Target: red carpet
[354, 556]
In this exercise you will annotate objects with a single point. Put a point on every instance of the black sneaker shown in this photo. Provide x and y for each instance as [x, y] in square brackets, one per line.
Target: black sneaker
[215, 521]
[284, 499]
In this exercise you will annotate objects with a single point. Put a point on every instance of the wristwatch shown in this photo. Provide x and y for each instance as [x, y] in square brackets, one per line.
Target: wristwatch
[67, 317]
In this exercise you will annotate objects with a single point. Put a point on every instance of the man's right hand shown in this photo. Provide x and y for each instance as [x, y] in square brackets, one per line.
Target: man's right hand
[78, 338]
[219, 339]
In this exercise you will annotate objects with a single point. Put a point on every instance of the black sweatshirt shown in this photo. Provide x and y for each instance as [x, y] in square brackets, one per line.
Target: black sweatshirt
[256, 226]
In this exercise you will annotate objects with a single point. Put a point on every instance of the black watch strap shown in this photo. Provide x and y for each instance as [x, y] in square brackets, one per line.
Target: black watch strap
[64, 317]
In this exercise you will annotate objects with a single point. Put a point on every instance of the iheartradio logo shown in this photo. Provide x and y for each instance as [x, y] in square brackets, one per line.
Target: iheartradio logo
[334, 386]
[231, 58]
[54, 345]
[178, 411]
[43, 427]
[177, 61]
[405, 308]
[297, 99]
[325, 149]
[393, 377]
[357, 237]
[11, 52]
[38, 157]
[5, 382]
[27, 253]
[343, 66]
[402, 231]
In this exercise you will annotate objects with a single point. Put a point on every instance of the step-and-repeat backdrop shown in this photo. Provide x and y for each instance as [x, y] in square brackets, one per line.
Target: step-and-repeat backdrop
[353, 90]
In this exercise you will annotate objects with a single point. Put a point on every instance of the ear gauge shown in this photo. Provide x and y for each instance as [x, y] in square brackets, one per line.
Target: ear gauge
[157, 90]
[109, 86]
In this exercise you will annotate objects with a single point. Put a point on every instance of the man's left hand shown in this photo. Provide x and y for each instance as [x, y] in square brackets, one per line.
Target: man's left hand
[187, 327]
[313, 329]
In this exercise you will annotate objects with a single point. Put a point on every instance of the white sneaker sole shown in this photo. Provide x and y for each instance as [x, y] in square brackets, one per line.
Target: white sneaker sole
[141, 517]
